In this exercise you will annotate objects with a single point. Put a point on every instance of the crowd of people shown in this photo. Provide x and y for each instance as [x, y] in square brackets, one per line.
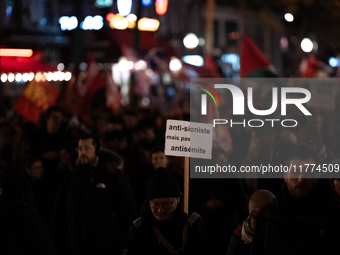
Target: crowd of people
[107, 188]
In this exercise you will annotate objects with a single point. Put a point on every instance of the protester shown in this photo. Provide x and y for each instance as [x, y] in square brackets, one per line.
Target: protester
[242, 238]
[95, 202]
[304, 217]
[159, 230]
[22, 229]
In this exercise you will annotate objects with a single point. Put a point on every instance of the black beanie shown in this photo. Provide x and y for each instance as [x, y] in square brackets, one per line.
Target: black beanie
[162, 184]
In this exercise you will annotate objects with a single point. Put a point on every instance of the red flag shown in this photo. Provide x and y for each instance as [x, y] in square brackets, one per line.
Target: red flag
[308, 67]
[93, 81]
[35, 99]
[113, 96]
[210, 64]
[71, 95]
[252, 57]
[85, 106]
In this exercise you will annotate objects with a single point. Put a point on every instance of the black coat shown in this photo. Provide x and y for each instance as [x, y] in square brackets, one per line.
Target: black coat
[306, 226]
[142, 240]
[22, 230]
[93, 209]
[236, 245]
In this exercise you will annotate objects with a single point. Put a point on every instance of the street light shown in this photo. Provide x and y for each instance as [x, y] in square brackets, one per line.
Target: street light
[306, 45]
[190, 41]
[289, 17]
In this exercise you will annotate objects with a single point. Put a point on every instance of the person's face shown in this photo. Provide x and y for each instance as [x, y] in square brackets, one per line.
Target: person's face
[297, 184]
[163, 208]
[65, 157]
[53, 122]
[159, 159]
[337, 185]
[253, 216]
[36, 170]
[87, 153]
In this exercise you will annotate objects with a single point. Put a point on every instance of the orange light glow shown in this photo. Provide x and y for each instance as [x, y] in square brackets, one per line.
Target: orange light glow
[109, 16]
[161, 6]
[16, 52]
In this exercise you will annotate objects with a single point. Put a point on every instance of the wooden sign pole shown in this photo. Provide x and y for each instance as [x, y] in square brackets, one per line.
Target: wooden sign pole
[186, 200]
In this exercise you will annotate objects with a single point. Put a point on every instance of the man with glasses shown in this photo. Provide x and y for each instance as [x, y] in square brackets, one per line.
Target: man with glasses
[159, 230]
[304, 217]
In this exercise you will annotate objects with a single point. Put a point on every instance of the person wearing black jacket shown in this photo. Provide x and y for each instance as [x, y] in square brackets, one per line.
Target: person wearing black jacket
[304, 217]
[22, 230]
[95, 204]
[159, 230]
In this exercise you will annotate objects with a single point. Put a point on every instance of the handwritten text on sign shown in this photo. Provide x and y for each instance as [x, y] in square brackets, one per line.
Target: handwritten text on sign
[188, 139]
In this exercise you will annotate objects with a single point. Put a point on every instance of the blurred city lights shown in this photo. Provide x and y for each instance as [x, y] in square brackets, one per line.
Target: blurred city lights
[195, 60]
[49, 76]
[55, 76]
[61, 76]
[124, 7]
[190, 41]
[175, 64]
[233, 35]
[104, 3]
[124, 64]
[140, 65]
[25, 77]
[232, 59]
[119, 22]
[92, 23]
[82, 66]
[201, 41]
[10, 77]
[30, 76]
[333, 62]
[16, 52]
[38, 77]
[4, 77]
[306, 45]
[289, 17]
[68, 76]
[18, 77]
[145, 101]
[146, 2]
[284, 43]
[68, 23]
[109, 16]
[146, 24]
[161, 6]
[60, 67]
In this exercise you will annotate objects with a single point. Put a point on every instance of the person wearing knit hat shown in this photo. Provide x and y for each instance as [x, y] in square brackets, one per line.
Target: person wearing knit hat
[159, 230]
[163, 193]
[243, 236]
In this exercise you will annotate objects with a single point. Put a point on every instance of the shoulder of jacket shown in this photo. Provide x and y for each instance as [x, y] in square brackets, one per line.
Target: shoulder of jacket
[137, 223]
[193, 218]
[112, 161]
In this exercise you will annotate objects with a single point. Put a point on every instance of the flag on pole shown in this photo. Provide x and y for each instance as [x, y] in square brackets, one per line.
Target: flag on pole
[36, 98]
[71, 94]
[254, 63]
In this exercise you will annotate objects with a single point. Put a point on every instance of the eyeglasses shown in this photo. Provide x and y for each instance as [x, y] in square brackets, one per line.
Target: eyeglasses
[165, 205]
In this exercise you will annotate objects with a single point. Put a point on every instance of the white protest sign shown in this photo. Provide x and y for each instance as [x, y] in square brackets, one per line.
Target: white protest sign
[188, 139]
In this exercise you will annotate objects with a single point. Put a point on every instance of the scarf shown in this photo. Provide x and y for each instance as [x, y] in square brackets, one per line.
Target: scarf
[247, 231]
